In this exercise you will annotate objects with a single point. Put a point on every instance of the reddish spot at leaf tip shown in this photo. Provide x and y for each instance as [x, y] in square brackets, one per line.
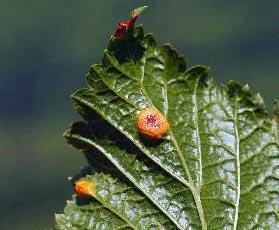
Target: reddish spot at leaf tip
[123, 27]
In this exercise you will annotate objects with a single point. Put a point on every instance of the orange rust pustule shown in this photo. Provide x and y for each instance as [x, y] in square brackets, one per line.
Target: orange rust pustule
[152, 123]
[85, 189]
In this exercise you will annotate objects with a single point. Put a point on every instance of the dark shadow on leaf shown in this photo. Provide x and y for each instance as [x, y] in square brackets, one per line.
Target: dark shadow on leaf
[98, 128]
[97, 161]
[150, 142]
[127, 49]
[88, 170]
[80, 201]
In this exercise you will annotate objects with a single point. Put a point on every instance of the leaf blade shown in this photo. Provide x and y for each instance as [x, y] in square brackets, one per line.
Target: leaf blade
[164, 192]
[222, 146]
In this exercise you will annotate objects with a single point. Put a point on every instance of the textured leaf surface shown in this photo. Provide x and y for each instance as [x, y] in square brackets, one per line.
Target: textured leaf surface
[88, 216]
[218, 166]
[115, 202]
[170, 196]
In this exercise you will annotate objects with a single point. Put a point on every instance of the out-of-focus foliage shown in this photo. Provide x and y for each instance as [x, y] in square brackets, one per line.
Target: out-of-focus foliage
[45, 48]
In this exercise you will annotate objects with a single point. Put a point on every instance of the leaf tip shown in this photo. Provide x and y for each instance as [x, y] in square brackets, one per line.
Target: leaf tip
[259, 101]
[199, 71]
[58, 216]
[65, 133]
[123, 27]
[246, 88]
[85, 188]
[138, 11]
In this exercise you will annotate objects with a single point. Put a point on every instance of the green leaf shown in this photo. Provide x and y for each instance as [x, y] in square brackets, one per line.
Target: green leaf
[218, 166]
[116, 202]
[166, 193]
[88, 216]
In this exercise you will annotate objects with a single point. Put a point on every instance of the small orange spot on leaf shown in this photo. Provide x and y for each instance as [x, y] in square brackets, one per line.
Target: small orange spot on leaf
[85, 188]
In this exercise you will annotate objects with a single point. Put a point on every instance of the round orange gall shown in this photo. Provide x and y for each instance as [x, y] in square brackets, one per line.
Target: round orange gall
[152, 123]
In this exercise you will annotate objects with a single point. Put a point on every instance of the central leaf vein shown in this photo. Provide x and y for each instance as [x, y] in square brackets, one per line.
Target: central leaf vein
[196, 121]
[195, 192]
[237, 165]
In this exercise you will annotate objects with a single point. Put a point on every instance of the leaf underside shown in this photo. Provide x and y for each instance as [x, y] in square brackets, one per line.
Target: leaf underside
[217, 168]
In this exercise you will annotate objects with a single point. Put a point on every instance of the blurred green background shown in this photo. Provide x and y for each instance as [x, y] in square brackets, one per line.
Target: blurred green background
[46, 48]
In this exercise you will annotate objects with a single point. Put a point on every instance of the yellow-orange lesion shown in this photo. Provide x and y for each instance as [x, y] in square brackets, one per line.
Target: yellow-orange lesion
[152, 123]
[85, 188]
